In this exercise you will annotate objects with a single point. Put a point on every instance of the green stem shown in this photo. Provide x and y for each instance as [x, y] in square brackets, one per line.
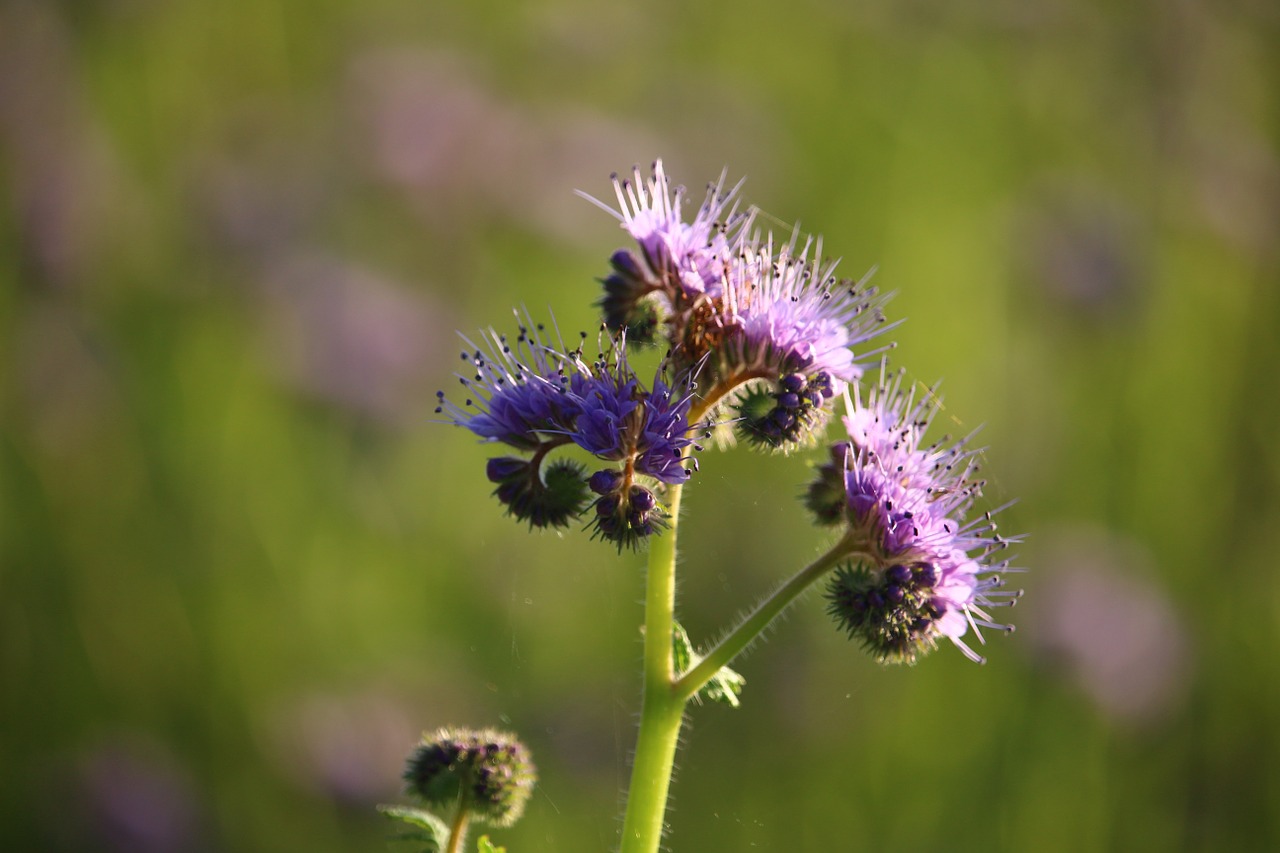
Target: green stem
[661, 711]
[458, 832]
[766, 611]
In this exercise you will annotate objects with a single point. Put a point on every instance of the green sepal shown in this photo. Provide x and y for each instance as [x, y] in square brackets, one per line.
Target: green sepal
[426, 828]
[723, 687]
[484, 845]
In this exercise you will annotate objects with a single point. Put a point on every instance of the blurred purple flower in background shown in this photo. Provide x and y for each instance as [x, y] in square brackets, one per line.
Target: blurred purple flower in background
[65, 181]
[1086, 249]
[130, 795]
[434, 128]
[346, 746]
[1100, 618]
[350, 337]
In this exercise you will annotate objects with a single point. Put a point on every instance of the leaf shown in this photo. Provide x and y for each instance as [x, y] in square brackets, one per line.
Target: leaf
[426, 828]
[484, 845]
[724, 687]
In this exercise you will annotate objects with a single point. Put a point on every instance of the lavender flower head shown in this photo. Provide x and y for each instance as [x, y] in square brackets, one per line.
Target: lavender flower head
[686, 258]
[786, 313]
[789, 324]
[926, 569]
[776, 334]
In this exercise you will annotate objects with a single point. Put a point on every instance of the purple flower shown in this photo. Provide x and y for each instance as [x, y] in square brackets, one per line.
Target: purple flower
[619, 421]
[909, 507]
[685, 258]
[520, 394]
[537, 397]
[789, 314]
[736, 313]
[664, 435]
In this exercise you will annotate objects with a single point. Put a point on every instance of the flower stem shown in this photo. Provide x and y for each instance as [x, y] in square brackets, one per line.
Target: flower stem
[458, 832]
[766, 611]
[661, 710]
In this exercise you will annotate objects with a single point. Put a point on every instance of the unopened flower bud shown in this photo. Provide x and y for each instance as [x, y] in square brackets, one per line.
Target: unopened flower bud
[489, 772]
[642, 499]
[605, 481]
[550, 503]
[890, 612]
[826, 497]
[504, 468]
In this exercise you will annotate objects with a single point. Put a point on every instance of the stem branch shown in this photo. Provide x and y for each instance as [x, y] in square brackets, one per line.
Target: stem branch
[766, 611]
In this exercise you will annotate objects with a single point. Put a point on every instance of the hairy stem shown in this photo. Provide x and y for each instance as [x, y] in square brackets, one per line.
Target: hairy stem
[458, 832]
[661, 710]
[766, 611]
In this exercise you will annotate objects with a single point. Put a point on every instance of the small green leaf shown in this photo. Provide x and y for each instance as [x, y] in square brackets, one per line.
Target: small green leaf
[724, 687]
[484, 845]
[426, 828]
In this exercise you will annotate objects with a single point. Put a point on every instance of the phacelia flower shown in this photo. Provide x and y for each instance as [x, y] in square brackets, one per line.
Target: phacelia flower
[925, 568]
[788, 313]
[519, 392]
[676, 257]
[536, 398]
[488, 773]
[673, 283]
[793, 329]
[779, 335]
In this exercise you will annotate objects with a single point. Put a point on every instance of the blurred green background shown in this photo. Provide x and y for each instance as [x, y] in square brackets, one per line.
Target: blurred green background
[242, 569]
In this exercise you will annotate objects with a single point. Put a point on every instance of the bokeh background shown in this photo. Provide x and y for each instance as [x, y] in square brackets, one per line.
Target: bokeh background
[242, 569]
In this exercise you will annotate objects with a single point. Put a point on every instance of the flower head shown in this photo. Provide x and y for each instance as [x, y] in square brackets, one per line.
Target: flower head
[788, 313]
[927, 569]
[490, 773]
[536, 398]
[682, 257]
[770, 328]
[519, 392]
[792, 327]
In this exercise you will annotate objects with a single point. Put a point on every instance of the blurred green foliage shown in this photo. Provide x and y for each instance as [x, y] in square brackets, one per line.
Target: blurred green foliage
[241, 569]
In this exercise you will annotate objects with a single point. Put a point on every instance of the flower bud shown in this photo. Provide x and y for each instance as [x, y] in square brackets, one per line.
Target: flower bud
[826, 497]
[624, 304]
[626, 516]
[605, 481]
[490, 772]
[503, 468]
[890, 612]
[785, 419]
[553, 503]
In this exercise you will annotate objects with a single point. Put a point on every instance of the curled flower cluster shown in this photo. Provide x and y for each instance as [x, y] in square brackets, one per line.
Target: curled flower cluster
[535, 396]
[764, 336]
[925, 568]
[490, 773]
[740, 313]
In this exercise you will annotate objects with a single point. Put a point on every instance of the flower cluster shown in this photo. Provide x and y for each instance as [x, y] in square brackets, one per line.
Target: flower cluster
[925, 569]
[536, 395]
[760, 334]
[489, 773]
[769, 329]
